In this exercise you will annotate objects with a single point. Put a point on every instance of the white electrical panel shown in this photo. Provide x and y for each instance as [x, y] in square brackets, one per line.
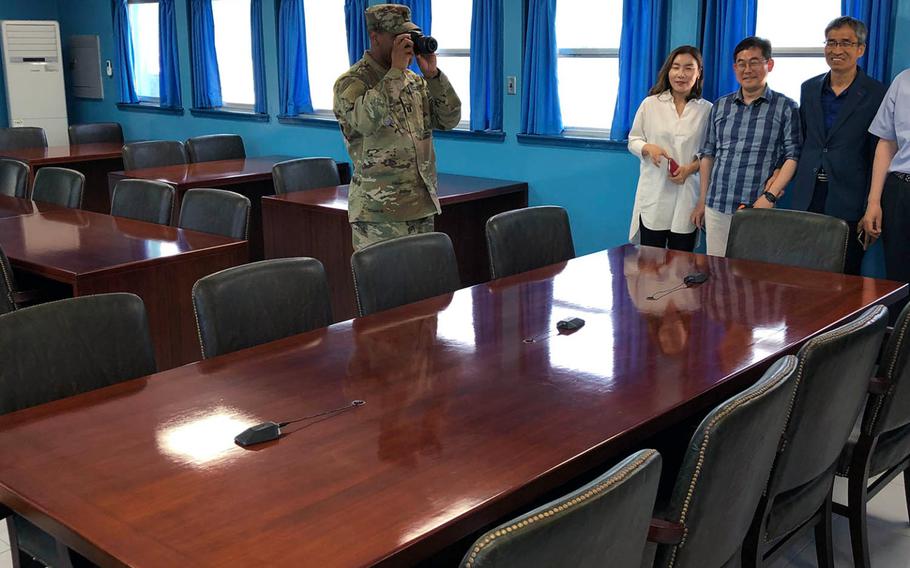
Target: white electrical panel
[33, 70]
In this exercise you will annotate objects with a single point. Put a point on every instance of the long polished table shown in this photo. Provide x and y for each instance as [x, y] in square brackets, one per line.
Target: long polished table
[315, 223]
[475, 408]
[93, 160]
[251, 177]
[15, 207]
[89, 253]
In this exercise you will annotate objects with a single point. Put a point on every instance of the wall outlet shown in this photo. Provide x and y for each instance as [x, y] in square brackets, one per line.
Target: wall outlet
[511, 85]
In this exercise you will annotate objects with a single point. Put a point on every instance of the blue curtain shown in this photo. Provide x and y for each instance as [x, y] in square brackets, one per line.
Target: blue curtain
[259, 81]
[642, 48]
[124, 43]
[540, 112]
[876, 14]
[486, 65]
[167, 56]
[725, 24]
[294, 84]
[356, 26]
[206, 79]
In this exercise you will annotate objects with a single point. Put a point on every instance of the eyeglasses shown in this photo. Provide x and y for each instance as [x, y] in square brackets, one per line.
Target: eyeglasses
[831, 43]
[751, 64]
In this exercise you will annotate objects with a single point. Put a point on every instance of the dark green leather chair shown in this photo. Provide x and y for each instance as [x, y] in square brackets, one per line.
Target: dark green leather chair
[604, 523]
[404, 270]
[62, 349]
[305, 173]
[793, 238]
[525, 239]
[724, 473]
[153, 154]
[833, 379]
[215, 147]
[60, 186]
[22, 137]
[13, 178]
[144, 200]
[216, 211]
[260, 302]
[96, 133]
[880, 442]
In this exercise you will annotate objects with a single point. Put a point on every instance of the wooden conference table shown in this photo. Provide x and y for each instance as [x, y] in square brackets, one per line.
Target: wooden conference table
[464, 422]
[315, 223]
[251, 177]
[93, 160]
[91, 253]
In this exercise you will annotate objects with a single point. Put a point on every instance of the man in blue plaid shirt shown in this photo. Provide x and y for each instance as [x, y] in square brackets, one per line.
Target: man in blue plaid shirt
[750, 134]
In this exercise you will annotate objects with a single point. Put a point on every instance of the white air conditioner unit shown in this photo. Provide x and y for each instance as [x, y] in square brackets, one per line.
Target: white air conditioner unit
[33, 70]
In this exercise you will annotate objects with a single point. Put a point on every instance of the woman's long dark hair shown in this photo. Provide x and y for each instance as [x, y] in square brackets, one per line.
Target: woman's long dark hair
[663, 77]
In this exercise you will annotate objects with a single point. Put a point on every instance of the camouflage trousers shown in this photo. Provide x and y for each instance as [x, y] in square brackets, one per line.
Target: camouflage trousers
[365, 233]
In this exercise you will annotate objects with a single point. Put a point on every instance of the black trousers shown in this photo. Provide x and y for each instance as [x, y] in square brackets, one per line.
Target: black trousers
[666, 239]
[853, 264]
[896, 228]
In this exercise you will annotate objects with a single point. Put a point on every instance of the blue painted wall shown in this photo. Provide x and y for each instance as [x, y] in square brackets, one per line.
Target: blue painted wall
[22, 10]
[596, 186]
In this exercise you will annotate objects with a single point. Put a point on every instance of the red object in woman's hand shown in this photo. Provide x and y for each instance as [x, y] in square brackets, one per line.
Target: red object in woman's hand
[673, 166]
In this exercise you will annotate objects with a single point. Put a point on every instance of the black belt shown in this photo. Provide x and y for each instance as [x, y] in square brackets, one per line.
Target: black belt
[902, 176]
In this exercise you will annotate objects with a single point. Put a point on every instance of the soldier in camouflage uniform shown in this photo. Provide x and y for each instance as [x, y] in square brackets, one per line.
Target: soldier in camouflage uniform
[387, 114]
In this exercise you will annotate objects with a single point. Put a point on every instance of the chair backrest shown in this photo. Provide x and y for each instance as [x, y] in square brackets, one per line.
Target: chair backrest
[792, 238]
[153, 154]
[215, 147]
[13, 178]
[832, 382]
[96, 133]
[525, 239]
[604, 523]
[60, 186]
[72, 346]
[215, 211]
[145, 200]
[725, 470]
[259, 302]
[404, 270]
[22, 137]
[7, 285]
[891, 410]
[304, 173]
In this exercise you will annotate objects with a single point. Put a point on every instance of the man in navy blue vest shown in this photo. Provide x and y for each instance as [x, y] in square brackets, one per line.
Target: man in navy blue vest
[836, 109]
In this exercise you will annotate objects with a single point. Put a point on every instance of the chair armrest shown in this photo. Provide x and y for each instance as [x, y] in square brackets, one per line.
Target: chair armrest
[666, 532]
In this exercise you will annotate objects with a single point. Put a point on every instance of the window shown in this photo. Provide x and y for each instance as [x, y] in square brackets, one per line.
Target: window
[452, 29]
[587, 37]
[143, 18]
[327, 49]
[797, 34]
[234, 46]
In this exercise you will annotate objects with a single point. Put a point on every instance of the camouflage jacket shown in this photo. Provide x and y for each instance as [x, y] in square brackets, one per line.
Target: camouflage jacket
[387, 118]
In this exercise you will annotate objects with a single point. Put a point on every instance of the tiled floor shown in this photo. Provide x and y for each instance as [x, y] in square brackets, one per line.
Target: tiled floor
[889, 534]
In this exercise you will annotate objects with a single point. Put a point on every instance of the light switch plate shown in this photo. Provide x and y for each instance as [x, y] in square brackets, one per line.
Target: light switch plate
[511, 85]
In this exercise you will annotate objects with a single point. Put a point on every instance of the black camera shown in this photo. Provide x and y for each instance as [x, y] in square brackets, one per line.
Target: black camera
[423, 44]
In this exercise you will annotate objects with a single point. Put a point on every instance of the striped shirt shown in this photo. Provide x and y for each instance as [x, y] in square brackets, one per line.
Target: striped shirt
[747, 142]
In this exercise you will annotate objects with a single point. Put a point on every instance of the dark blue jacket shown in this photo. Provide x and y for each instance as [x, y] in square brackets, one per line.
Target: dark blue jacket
[845, 152]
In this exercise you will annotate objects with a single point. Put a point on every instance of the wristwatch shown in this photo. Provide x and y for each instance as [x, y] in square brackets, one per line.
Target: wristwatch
[770, 197]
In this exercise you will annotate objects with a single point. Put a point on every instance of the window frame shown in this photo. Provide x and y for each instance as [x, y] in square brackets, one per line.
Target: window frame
[464, 123]
[586, 53]
[144, 99]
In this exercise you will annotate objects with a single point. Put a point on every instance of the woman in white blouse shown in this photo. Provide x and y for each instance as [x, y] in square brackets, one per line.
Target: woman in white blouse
[668, 130]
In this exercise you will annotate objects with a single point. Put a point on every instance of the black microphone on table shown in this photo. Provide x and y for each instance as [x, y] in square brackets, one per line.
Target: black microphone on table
[690, 280]
[268, 431]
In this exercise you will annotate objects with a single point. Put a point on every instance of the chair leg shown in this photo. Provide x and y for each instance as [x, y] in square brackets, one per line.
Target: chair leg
[824, 541]
[859, 534]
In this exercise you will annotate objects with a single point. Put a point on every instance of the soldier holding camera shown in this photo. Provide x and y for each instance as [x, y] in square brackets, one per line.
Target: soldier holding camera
[387, 114]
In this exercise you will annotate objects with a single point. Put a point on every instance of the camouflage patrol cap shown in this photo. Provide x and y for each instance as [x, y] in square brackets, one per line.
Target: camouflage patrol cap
[391, 18]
